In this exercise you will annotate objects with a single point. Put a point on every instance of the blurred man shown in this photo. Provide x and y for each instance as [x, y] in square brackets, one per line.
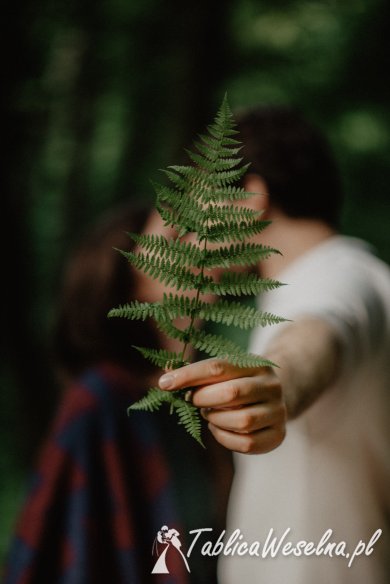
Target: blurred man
[317, 504]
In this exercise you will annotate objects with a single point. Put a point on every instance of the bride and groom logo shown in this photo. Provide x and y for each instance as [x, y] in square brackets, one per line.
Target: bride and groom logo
[166, 541]
[167, 545]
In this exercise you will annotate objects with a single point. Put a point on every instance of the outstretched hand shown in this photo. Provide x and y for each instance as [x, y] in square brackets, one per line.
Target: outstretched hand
[244, 406]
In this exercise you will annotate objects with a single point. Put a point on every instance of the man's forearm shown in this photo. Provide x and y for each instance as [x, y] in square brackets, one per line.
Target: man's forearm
[308, 353]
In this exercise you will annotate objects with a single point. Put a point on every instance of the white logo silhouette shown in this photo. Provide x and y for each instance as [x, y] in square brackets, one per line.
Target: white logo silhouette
[166, 537]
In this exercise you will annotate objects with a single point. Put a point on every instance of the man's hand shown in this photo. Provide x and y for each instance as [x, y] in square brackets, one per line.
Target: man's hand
[244, 406]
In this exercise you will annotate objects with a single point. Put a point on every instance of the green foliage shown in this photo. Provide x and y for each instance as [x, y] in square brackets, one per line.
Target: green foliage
[201, 200]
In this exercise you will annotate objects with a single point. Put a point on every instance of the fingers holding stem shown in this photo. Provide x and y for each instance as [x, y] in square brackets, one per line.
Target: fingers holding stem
[244, 406]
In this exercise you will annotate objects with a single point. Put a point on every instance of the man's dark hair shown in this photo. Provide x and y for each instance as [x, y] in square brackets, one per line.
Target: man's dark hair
[295, 161]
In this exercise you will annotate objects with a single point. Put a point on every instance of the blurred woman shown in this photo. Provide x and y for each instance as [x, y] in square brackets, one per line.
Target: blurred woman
[105, 482]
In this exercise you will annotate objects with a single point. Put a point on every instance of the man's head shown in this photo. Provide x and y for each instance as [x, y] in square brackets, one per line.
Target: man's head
[294, 160]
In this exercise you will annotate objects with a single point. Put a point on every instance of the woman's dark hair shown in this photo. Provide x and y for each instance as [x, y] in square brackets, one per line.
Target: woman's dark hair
[295, 161]
[97, 277]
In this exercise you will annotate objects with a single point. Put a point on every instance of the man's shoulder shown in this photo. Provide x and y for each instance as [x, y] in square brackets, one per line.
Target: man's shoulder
[341, 276]
[355, 265]
[338, 262]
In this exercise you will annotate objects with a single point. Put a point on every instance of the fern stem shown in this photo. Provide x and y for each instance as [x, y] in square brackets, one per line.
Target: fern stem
[191, 325]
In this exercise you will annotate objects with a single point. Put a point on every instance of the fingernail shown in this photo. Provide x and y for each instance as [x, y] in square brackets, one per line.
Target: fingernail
[188, 396]
[166, 381]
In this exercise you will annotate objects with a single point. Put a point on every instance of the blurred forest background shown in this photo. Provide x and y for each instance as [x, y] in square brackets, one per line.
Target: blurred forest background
[101, 94]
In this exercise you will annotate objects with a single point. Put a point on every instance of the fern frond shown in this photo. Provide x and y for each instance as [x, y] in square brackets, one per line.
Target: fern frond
[200, 198]
[229, 193]
[173, 332]
[188, 414]
[219, 132]
[212, 149]
[180, 203]
[223, 124]
[235, 314]
[189, 418]
[182, 215]
[248, 360]
[211, 344]
[223, 312]
[161, 358]
[231, 213]
[224, 164]
[177, 252]
[170, 308]
[216, 163]
[243, 254]
[134, 310]
[193, 177]
[227, 177]
[165, 272]
[170, 219]
[152, 400]
[175, 178]
[235, 231]
[218, 346]
[202, 161]
[222, 145]
[179, 306]
[237, 284]
[214, 345]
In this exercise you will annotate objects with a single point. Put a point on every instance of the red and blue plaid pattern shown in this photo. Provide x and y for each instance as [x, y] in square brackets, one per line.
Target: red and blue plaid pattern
[101, 491]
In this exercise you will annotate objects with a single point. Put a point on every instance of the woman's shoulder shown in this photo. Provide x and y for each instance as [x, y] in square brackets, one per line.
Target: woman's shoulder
[100, 390]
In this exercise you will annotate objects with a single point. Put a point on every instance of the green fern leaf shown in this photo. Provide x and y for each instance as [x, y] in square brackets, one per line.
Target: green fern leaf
[244, 254]
[153, 400]
[223, 164]
[204, 163]
[180, 203]
[179, 306]
[176, 179]
[193, 177]
[237, 284]
[170, 218]
[235, 231]
[175, 251]
[189, 417]
[248, 360]
[231, 213]
[221, 132]
[229, 193]
[170, 308]
[161, 358]
[165, 272]
[186, 217]
[188, 414]
[235, 314]
[216, 163]
[201, 198]
[212, 149]
[218, 346]
[227, 177]
[134, 311]
[214, 345]
[173, 332]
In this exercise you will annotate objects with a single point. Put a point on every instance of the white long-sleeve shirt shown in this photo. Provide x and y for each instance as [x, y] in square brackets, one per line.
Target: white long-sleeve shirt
[333, 469]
